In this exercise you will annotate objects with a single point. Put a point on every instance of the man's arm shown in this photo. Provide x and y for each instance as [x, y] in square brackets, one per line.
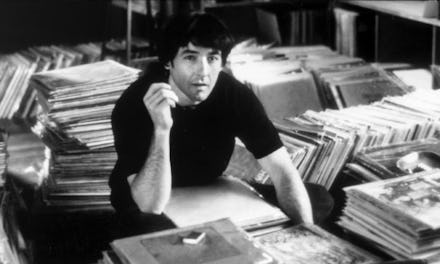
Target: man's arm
[151, 186]
[290, 190]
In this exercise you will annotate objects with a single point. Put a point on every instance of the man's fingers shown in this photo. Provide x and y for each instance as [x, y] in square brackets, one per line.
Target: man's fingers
[152, 100]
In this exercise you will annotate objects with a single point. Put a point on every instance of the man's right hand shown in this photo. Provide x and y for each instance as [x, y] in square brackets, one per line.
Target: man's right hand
[158, 101]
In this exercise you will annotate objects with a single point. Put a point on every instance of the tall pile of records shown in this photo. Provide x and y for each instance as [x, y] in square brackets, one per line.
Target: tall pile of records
[17, 102]
[76, 125]
[400, 216]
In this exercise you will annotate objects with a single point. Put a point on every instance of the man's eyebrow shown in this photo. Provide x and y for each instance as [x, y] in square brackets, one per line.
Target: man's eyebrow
[190, 51]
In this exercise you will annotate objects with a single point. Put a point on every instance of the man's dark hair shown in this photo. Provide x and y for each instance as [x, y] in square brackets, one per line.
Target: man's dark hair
[201, 29]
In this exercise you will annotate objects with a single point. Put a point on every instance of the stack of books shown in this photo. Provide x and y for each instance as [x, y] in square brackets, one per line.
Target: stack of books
[75, 124]
[400, 216]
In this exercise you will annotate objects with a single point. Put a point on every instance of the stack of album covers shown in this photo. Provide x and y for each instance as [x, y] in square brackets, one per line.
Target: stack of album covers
[219, 241]
[277, 77]
[334, 136]
[435, 70]
[348, 81]
[17, 102]
[243, 164]
[3, 158]
[15, 72]
[394, 160]
[400, 216]
[310, 244]
[13, 246]
[75, 124]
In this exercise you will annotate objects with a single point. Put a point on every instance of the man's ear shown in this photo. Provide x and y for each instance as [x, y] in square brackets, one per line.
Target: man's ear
[167, 66]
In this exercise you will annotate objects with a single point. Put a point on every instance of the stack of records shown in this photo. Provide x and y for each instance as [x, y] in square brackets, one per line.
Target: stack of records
[276, 76]
[218, 241]
[310, 244]
[76, 124]
[339, 134]
[400, 216]
[435, 70]
[17, 102]
[13, 246]
[395, 160]
[327, 147]
[3, 159]
[15, 72]
[243, 164]
[347, 81]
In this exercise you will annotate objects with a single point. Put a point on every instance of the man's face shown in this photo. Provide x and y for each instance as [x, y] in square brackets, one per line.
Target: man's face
[194, 71]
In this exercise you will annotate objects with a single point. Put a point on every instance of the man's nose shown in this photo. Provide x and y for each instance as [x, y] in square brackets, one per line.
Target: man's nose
[203, 67]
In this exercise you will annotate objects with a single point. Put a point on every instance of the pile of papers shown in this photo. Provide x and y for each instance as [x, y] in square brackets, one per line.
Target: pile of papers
[401, 216]
[75, 123]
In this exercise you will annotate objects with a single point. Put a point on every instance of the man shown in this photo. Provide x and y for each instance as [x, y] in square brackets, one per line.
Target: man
[176, 125]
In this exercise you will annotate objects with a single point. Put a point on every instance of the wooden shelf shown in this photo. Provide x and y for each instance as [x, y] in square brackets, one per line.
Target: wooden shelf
[411, 10]
[291, 4]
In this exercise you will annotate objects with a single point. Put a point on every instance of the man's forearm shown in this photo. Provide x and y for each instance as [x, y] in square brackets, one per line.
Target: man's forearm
[151, 186]
[294, 200]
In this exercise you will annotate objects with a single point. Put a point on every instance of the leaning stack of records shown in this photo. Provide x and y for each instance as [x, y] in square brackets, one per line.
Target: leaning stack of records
[243, 164]
[395, 160]
[13, 246]
[276, 77]
[400, 216]
[310, 244]
[327, 147]
[76, 124]
[17, 102]
[3, 159]
[15, 72]
[346, 81]
[394, 120]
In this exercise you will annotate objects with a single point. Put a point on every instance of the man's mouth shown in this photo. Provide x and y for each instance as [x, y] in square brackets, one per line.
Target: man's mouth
[200, 84]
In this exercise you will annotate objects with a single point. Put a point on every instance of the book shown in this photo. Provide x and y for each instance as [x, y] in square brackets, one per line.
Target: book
[224, 242]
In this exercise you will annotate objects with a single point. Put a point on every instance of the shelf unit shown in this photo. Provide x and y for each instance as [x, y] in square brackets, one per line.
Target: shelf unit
[409, 10]
[143, 7]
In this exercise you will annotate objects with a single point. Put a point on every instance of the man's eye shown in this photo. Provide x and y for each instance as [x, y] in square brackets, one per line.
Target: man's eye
[190, 58]
[213, 58]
